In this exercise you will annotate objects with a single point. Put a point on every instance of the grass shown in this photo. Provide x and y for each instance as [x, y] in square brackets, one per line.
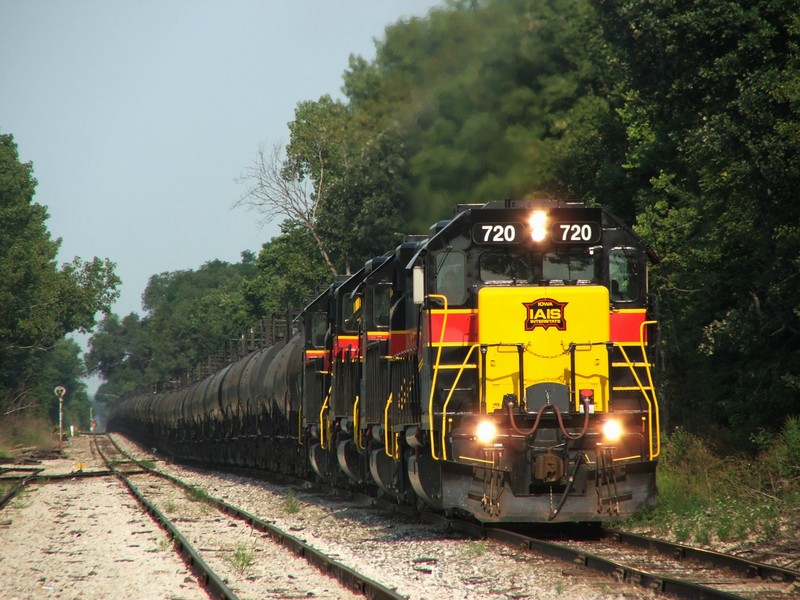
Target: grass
[25, 432]
[708, 499]
[197, 494]
[291, 505]
[475, 549]
[242, 559]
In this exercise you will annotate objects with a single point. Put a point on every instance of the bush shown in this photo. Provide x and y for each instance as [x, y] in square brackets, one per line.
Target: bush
[18, 432]
[781, 453]
[704, 497]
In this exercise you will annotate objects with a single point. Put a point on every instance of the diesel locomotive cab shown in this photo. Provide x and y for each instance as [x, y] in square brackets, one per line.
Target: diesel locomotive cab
[534, 331]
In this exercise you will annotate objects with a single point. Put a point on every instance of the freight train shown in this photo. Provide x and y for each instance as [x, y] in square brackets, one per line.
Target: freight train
[497, 367]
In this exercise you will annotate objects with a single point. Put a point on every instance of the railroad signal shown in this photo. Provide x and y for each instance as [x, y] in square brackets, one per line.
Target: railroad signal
[60, 391]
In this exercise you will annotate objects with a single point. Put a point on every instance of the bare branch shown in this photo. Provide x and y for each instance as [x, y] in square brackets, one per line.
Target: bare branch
[273, 194]
[274, 189]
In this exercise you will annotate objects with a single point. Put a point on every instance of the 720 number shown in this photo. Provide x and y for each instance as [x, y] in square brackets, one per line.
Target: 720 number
[576, 232]
[496, 233]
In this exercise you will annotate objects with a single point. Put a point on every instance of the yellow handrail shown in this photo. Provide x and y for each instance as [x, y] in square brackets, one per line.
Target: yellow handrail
[436, 370]
[652, 387]
[321, 423]
[447, 401]
[300, 426]
[386, 431]
[356, 426]
[652, 403]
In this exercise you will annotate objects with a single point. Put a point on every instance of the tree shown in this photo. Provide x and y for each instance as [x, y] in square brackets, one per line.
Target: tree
[709, 103]
[40, 302]
[191, 316]
[63, 366]
[339, 182]
[288, 274]
[482, 92]
[120, 351]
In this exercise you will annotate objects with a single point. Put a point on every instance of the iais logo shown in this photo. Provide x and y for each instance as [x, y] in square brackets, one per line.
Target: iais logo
[545, 312]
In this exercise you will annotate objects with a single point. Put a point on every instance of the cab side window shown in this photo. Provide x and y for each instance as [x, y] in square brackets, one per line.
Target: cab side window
[381, 304]
[625, 283]
[451, 279]
[319, 326]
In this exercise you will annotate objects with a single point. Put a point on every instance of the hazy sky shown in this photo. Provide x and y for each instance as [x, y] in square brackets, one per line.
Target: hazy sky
[138, 116]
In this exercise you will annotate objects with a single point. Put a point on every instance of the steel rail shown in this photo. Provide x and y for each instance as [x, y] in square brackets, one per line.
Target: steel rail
[207, 577]
[650, 581]
[21, 482]
[344, 574]
[747, 567]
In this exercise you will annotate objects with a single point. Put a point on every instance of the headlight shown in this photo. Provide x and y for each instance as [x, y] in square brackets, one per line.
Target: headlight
[538, 223]
[612, 431]
[486, 432]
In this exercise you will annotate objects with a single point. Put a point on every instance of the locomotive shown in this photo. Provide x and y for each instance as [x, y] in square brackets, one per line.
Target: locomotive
[496, 367]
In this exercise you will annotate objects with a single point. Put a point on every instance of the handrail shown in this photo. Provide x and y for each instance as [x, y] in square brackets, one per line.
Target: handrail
[650, 382]
[436, 368]
[652, 403]
[356, 426]
[321, 423]
[447, 401]
[299, 425]
[386, 430]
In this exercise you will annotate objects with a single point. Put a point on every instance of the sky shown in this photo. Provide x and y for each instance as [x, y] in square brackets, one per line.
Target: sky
[140, 116]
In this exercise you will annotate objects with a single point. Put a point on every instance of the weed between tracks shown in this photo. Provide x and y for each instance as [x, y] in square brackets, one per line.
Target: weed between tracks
[197, 494]
[475, 549]
[711, 500]
[291, 505]
[242, 559]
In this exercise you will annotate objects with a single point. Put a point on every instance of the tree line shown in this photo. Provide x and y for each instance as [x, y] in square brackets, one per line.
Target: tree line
[680, 116]
[42, 301]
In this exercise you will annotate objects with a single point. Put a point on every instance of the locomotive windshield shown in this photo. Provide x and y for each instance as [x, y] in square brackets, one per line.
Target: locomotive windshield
[578, 265]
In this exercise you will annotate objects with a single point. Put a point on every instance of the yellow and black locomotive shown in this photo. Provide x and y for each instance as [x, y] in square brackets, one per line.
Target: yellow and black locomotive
[497, 366]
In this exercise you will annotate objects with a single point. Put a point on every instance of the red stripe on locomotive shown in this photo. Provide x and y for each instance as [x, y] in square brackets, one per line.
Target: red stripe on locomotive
[625, 326]
[461, 327]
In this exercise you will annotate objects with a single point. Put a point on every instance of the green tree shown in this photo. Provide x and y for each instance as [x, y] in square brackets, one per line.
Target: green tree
[63, 366]
[340, 182]
[191, 317]
[289, 274]
[40, 302]
[482, 91]
[120, 352]
[708, 99]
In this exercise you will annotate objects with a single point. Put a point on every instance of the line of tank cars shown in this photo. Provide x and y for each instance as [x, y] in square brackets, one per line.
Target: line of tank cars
[497, 367]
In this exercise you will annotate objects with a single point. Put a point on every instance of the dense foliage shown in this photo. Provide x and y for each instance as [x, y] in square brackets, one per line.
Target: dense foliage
[708, 499]
[708, 94]
[191, 316]
[40, 301]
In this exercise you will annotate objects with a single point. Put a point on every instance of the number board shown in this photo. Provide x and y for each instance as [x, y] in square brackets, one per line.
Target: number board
[498, 233]
[575, 232]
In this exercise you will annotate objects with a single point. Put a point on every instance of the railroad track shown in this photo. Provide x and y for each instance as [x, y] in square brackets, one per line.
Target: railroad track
[152, 489]
[654, 564]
